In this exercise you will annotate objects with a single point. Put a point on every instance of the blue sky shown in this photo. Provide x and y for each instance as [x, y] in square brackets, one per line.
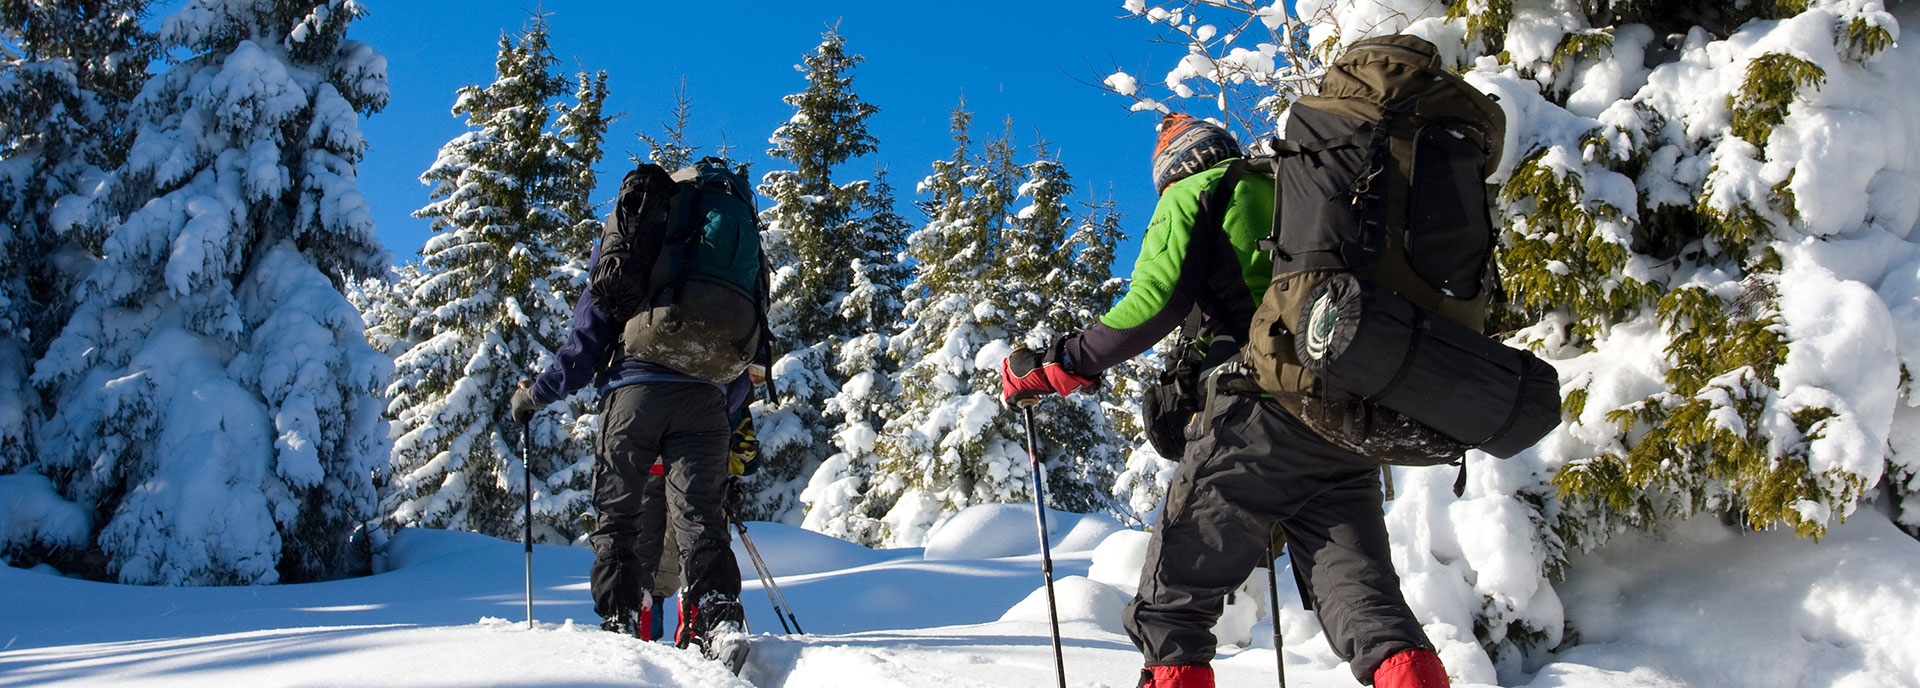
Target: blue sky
[1029, 61]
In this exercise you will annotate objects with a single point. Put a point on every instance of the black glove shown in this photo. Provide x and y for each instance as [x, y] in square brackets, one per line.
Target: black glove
[523, 404]
[736, 495]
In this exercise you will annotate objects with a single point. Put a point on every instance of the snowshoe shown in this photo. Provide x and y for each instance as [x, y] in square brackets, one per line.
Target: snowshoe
[727, 644]
[718, 626]
[626, 622]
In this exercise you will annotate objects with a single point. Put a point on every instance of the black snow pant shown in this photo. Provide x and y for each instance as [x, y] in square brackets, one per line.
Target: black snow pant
[684, 426]
[1257, 466]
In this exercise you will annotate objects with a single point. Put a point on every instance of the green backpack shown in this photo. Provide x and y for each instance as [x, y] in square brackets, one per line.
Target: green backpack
[704, 313]
[1383, 248]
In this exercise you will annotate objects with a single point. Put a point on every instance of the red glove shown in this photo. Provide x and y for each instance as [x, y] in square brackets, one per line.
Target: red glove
[1028, 375]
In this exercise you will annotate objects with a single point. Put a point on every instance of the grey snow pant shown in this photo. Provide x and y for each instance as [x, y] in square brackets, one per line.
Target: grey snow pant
[1257, 466]
[684, 426]
[659, 540]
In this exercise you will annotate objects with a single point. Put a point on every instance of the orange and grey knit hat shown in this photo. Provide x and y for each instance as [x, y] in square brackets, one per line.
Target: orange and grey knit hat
[1187, 146]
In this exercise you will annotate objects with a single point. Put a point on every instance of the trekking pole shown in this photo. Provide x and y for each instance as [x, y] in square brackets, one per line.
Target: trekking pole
[526, 467]
[1046, 548]
[761, 572]
[774, 596]
[1273, 597]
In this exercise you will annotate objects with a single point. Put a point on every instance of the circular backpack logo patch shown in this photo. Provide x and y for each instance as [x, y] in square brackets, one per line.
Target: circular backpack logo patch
[1320, 324]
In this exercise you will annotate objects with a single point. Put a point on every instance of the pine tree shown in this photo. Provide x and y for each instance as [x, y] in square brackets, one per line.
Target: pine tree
[919, 475]
[869, 396]
[1050, 294]
[949, 444]
[389, 310]
[827, 243]
[213, 389]
[988, 277]
[1140, 475]
[494, 295]
[1660, 242]
[64, 95]
[671, 151]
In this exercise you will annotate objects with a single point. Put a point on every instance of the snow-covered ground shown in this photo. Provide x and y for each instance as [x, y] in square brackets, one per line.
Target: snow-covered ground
[1702, 606]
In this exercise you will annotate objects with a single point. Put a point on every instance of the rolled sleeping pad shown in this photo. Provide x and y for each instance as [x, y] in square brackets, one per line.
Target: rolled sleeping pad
[1374, 343]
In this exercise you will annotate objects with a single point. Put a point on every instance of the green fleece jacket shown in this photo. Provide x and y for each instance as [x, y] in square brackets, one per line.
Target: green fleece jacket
[1178, 270]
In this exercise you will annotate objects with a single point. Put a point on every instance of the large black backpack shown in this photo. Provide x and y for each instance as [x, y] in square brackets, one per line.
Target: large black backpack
[680, 264]
[1383, 267]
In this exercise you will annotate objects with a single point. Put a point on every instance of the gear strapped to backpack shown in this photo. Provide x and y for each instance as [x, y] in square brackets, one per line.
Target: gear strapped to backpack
[680, 263]
[1383, 267]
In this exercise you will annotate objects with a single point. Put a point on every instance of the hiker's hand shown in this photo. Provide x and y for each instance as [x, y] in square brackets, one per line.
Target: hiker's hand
[523, 404]
[1026, 375]
[742, 449]
[736, 495]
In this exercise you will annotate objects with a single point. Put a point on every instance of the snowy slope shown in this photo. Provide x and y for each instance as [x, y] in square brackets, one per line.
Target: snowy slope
[1706, 607]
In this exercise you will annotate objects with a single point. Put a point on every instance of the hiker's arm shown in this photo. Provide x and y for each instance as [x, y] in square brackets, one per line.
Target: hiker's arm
[738, 391]
[1155, 303]
[592, 339]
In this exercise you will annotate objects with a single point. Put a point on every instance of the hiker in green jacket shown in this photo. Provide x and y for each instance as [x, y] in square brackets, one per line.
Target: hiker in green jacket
[1256, 464]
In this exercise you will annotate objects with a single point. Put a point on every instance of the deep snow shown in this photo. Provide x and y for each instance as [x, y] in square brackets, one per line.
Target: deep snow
[1703, 606]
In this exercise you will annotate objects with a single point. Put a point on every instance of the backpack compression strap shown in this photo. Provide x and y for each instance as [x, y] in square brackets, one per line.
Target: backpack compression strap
[686, 205]
[1368, 136]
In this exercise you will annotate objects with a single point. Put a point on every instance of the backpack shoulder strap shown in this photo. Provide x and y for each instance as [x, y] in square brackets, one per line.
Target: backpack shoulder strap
[763, 298]
[1209, 224]
[1209, 233]
[1213, 212]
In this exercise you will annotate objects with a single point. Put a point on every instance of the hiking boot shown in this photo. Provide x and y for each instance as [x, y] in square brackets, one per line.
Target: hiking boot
[1176, 677]
[624, 622]
[1411, 669]
[726, 643]
[718, 627]
[655, 623]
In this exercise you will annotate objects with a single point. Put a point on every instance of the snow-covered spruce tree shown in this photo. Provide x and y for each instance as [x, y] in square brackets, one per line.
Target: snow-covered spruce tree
[1050, 292]
[65, 86]
[1708, 213]
[946, 400]
[388, 310]
[563, 445]
[670, 150]
[1140, 475]
[822, 248]
[950, 445]
[871, 310]
[495, 293]
[213, 390]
